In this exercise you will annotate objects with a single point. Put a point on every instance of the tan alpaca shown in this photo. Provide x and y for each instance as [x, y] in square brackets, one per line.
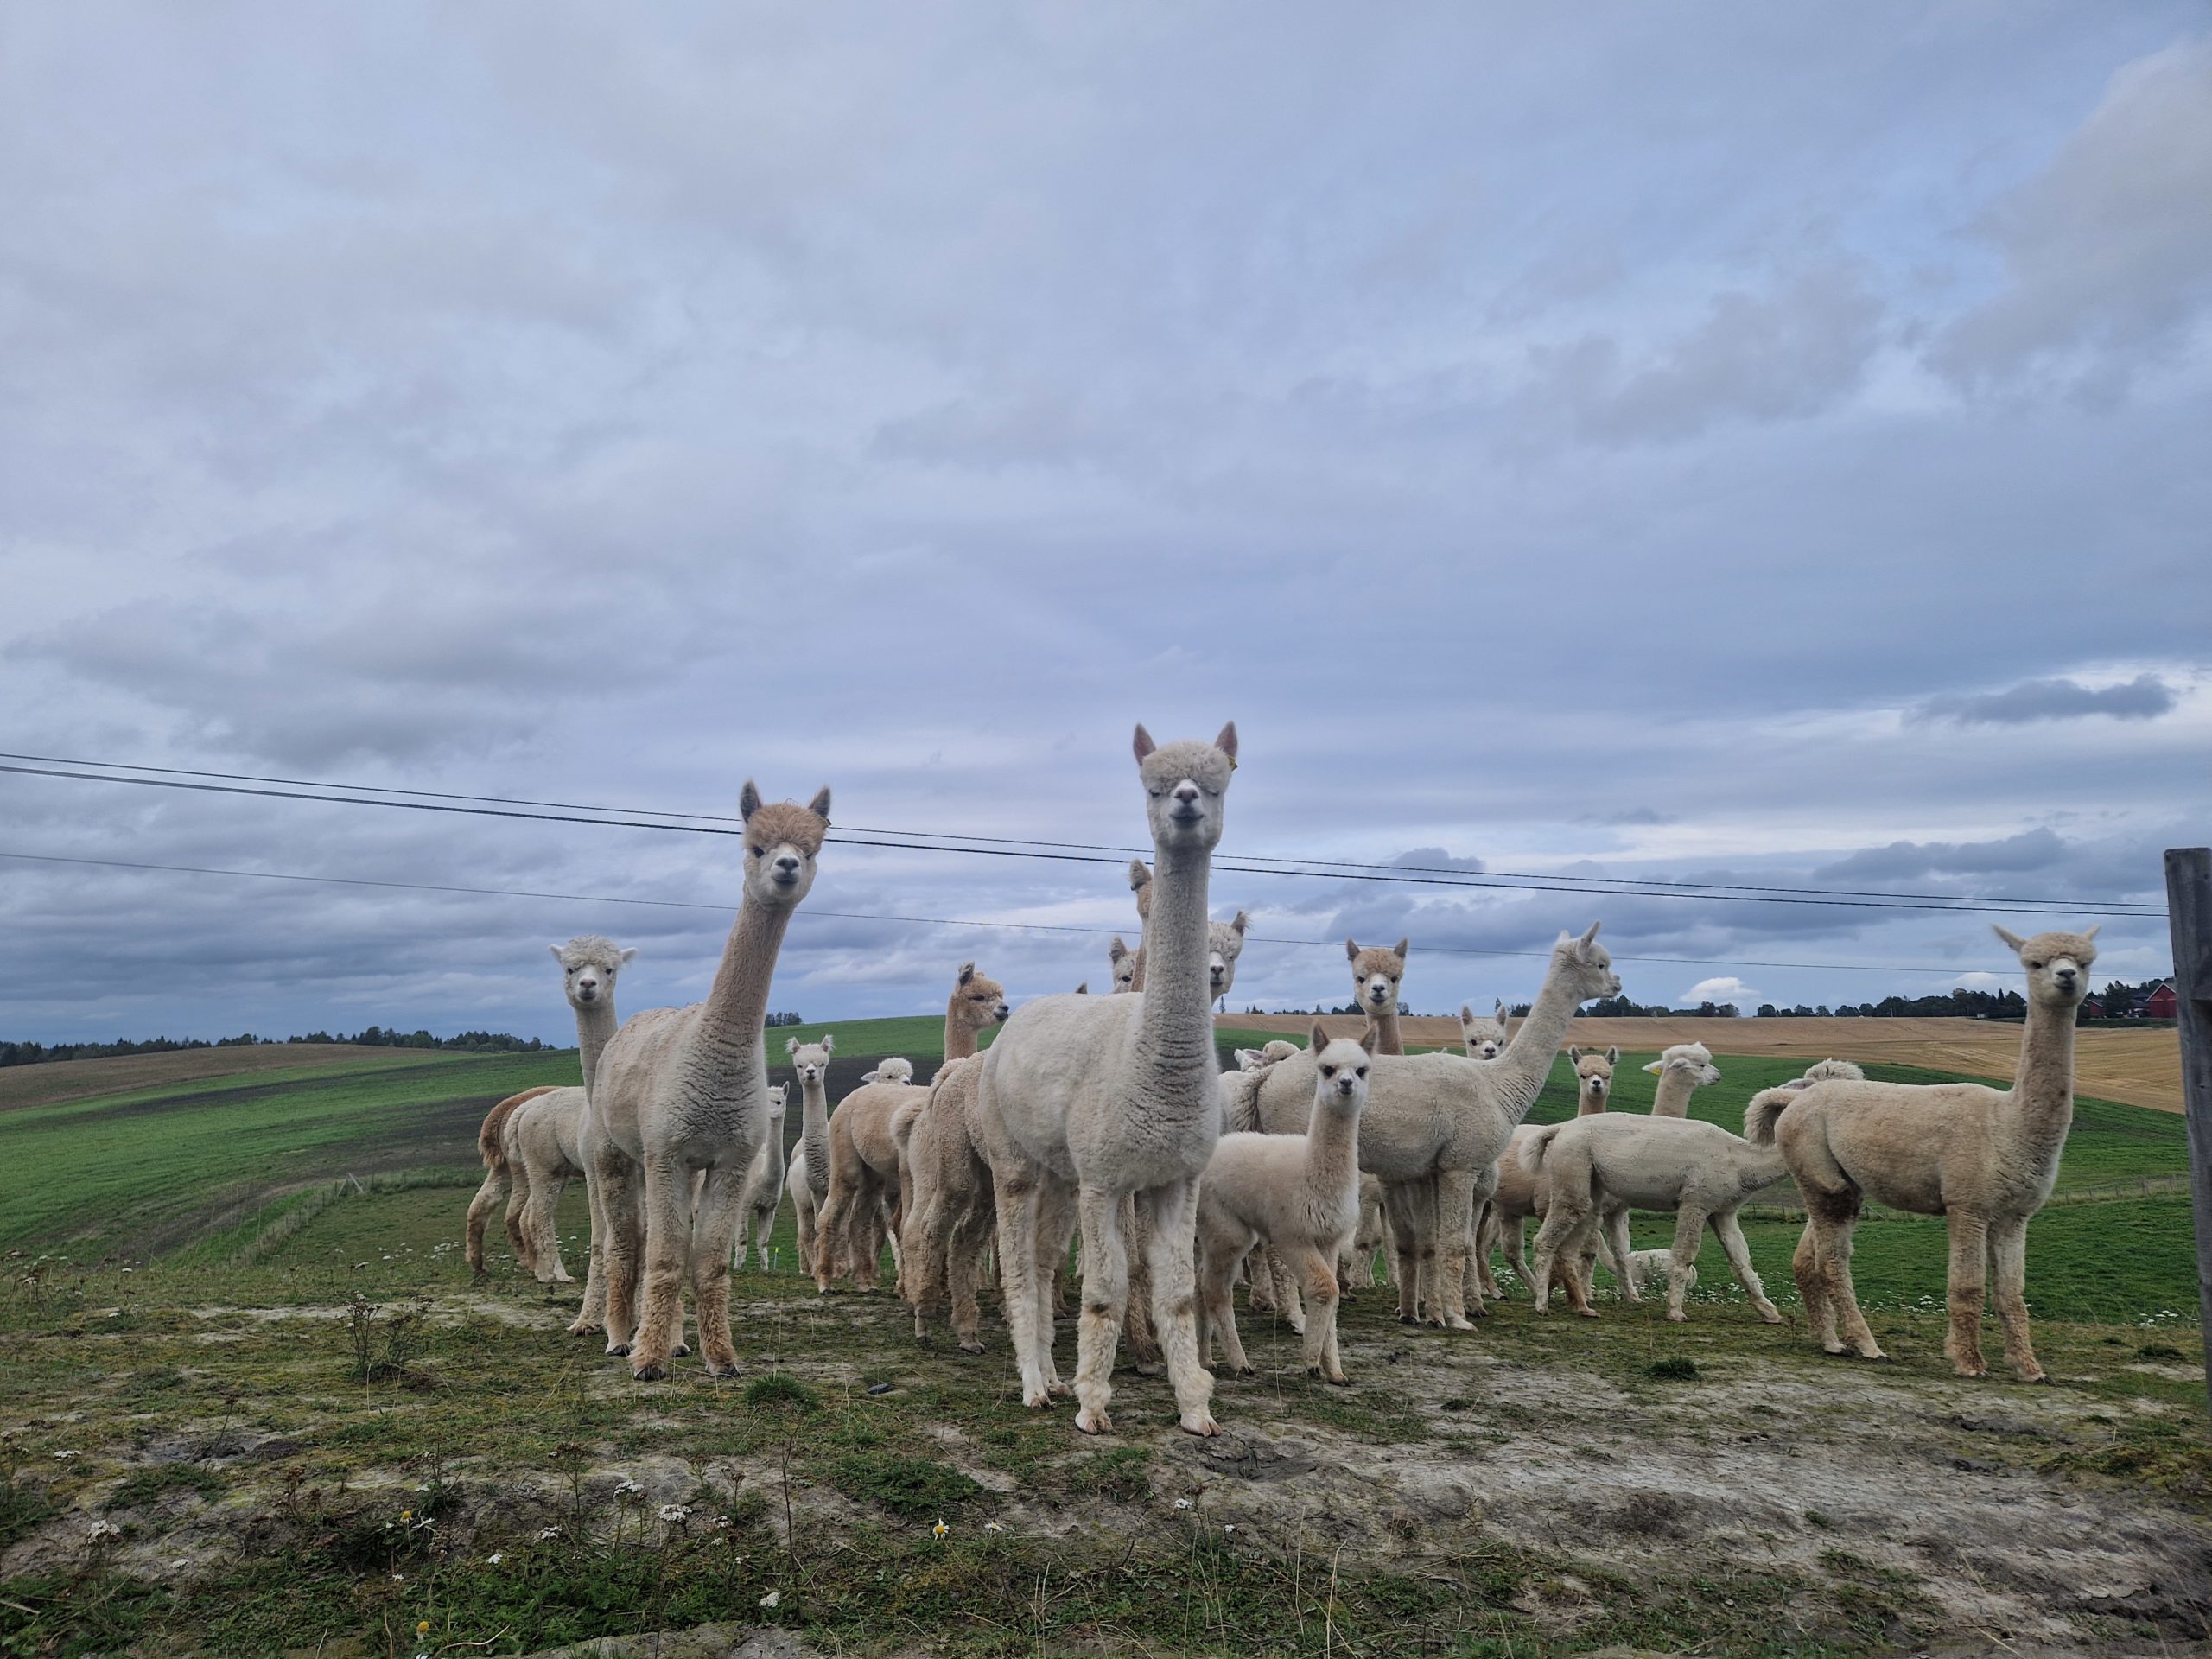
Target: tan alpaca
[806, 1178]
[1376, 973]
[498, 1177]
[1682, 1071]
[1299, 1193]
[864, 1177]
[1984, 1158]
[949, 1212]
[680, 1090]
[1522, 1193]
[1084, 1101]
[1484, 1040]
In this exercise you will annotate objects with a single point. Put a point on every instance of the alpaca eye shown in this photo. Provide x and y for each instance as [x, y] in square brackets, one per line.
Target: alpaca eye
[1328, 1070]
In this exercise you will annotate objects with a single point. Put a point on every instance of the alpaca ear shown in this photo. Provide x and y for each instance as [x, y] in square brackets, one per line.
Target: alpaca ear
[828, 1042]
[790, 1046]
[1405, 947]
[1612, 1056]
[748, 800]
[1239, 921]
[1140, 873]
[820, 804]
[556, 949]
[2012, 939]
[1317, 1039]
[867, 1077]
[1368, 1037]
[967, 972]
[1466, 1013]
[1351, 951]
[1116, 950]
[1654, 1065]
[1143, 743]
[2091, 931]
[1501, 1011]
[1084, 990]
[1226, 742]
[1592, 935]
[629, 955]
[1573, 1053]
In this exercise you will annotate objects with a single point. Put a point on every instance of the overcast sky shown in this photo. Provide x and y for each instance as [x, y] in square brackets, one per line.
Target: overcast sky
[1764, 445]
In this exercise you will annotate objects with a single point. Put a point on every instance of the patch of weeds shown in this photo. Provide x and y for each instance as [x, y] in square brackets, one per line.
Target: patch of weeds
[143, 1486]
[1118, 1474]
[23, 1505]
[1820, 1520]
[780, 1391]
[1672, 1369]
[383, 1344]
[914, 1487]
[2159, 1350]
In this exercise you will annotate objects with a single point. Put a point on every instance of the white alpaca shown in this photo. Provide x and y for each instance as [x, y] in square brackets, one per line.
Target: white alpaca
[807, 1176]
[1984, 1159]
[682, 1091]
[590, 967]
[1484, 1040]
[1436, 1123]
[1298, 1193]
[1598, 1169]
[1085, 1101]
[1682, 1071]
[895, 1070]
[1376, 974]
[500, 1176]
[1522, 1194]
[544, 1148]
[763, 1194]
[1125, 964]
[1647, 1268]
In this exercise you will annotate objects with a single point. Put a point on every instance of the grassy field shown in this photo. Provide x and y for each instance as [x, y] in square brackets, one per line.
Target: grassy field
[228, 1438]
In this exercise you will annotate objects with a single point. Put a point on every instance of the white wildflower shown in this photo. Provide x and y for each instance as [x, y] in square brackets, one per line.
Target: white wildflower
[64, 1457]
[675, 1514]
[546, 1533]
[495, 1558]
[629, 1489]
[1182, 1503]
[772, 1598]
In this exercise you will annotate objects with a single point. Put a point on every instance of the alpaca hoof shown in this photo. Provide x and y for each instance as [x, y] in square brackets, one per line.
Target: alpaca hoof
[970, 1346]
[728, 1369]
[1459, 1323]
[1407, 1319]
[681, 1351]
[1038, 1402]
[1338, 1382]
[1835, 1350]
[2042, 1378]
[1199, 1422]
[1772, 1316]
[1969, 1367]
[618, 1351]
[1059, 1389]
[1094, 1423]
[1674, 1317]
[1587, 1312]
[1150, 1368]
[585, 1328]
[1243, 1371]
[647, 1373]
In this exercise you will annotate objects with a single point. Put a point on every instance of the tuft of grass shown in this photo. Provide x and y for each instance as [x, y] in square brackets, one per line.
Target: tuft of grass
[143, 1486]
[781, 1391]
[1672, 1369]
[1119, 1473]
[914, 1487]
[2159, 1350]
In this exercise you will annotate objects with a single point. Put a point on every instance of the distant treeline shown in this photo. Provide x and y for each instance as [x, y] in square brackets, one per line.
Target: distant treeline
[473, 1042]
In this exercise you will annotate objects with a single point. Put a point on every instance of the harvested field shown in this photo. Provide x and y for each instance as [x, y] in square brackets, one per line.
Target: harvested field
[2140, 1068]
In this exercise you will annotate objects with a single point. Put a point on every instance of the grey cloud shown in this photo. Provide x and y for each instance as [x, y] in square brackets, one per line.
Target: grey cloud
[2032, 850]
[2145, 697]
[1435, 858]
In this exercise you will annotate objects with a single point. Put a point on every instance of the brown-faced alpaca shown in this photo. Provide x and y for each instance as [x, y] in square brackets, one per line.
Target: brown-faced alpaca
[864, 1177]
[682, 1090]
[1984, 1158]
[1484, 1040]
[1376, 973]
[1522, 1193]
[807, 1176]
[1682, 1071]
[499, 1178]
[1084, 1101]
[1298, 1193]
[1436, 1124]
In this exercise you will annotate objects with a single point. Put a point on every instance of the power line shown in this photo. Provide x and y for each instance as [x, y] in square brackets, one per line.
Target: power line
[919, 921]
[1387, 874]
[1583, 884]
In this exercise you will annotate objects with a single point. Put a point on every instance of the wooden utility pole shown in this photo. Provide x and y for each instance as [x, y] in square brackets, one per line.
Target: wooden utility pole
[2188, 911]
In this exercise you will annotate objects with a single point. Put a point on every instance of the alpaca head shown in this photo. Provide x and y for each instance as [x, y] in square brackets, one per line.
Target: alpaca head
[976, 1001]
[894, 1070]
[1340, 1068]
[1375, 975]
[780, 845]
[1249, 1059]
[1588, 965]
[2057, 965]
[1224, 944]
[811, 1060]
[1484, 1040]
[588, 965]
[1140, 885]
[1125, 964]
[1280, 1048]
[1593, 1072]
[777, 1094]
[1184, 784]
[1693, 1061]
[1827, 1070]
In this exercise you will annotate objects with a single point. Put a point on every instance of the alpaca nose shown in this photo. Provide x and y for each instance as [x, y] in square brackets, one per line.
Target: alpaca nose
[1187, 793]
[2065, 977]
[787, 865]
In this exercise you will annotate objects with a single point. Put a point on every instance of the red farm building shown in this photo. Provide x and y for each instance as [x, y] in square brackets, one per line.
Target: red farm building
[2162, 1004]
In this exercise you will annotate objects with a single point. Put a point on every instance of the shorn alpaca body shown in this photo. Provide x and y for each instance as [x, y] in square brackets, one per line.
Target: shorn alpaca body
[865, 1189]
[763, 1193]
[950, 1209]
[1682, 1071]
[1986, 1158]
[683, 1090]
[806, 1178]
[1297, 1193]
[1522, 1194]
[545, 1141]
[1376, 974]
[1484, 1040]
[1436, 1123]
[499, 1178]
[1085, 1101]
[1598, 1169]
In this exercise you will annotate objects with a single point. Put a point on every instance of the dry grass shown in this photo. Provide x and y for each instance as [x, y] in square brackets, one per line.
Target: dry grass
[2138, 1068]
[64, 1080]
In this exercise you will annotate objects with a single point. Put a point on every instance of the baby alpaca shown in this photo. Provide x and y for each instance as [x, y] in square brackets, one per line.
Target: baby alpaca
[808, 1175]
[763, 1193]
[1298, 1193]
[1682, 1071]
[1484, 1040]
[1646, 1266]
[1376, 973]
[498, 1177]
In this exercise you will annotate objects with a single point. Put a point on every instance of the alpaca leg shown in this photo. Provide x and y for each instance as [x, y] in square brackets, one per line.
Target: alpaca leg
[1455, 1198]
[1174, 1301]
[829, 1228]
[1320, 1283]
[1730, 1232]
[1559, 1225]
[479, 1216]
[1056, 1226]
[524, 1245]
[922, 1262]
[1397, 1206]
[668, 1250]
[542, 1199]
[1690, 1229]
[1969, 1273]
[1105, 1296]
[1836, 1260]
[1217, 1307]
[962, 1266]
[715, 1228]
[1488, 1229]
[1144, 1344]
[1604, 1252]
[1567, 1266]
[1260, 1277]
[1813, 1288]
[1518, 1230]
[803, 1211]
[592, 1315]
[619, 1183]
[1019, 1268]
[2008, 1251]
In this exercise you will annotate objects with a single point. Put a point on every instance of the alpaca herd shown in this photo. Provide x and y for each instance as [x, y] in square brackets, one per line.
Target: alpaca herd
[1106, 1122]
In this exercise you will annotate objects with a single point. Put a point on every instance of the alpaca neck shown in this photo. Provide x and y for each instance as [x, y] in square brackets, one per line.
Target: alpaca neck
[1385, 1025]
[959, 1035]
[814, 1135]
[2042, 1099]
[1175, 1028]
[595, 1024]
[1332, 1147]
[1589, 1103]
[1672, 1097]
[1528, 1058]
[730, 1020]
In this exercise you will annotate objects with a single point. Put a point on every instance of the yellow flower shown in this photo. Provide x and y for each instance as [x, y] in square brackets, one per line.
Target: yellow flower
[940, 1529]
[407, 1515]
[422, 1627]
